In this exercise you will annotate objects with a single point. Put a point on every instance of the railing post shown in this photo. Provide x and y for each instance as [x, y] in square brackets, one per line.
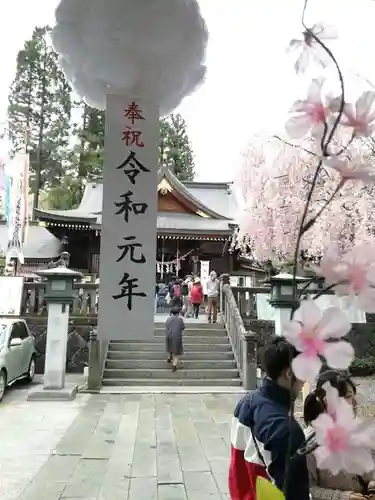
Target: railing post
[250, 361]
[224, 280]
[94, 378]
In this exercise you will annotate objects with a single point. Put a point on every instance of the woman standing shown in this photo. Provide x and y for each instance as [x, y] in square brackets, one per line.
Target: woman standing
[196, 297]
[323, 484]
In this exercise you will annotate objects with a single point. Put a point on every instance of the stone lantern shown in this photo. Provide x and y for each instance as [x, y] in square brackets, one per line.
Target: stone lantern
[59, 295]
[281, 298]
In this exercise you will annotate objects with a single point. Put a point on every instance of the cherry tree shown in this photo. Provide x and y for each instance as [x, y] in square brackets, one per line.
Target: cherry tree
[314, 197]
[274, 182]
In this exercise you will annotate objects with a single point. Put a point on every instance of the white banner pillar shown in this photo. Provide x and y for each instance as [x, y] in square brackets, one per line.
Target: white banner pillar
[129, 219]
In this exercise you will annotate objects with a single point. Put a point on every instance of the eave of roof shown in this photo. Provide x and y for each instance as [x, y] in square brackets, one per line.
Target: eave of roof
[166, 173]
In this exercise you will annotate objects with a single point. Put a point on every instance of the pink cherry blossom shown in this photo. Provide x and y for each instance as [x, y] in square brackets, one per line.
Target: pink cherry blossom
[354, 273]
[309, 331]
[360, 118]
[352, 168]
[310, 50]
[309, 115]
[345, 441]
[274, 181]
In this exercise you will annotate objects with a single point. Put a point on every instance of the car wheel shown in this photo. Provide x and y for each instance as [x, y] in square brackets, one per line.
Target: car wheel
[31, 370]
[3, 384]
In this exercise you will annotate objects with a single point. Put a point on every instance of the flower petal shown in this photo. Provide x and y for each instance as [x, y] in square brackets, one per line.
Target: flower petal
[308, 313]
[291, 332]
[326, 460]
[321, 425]
[364, 104]
[334, 324]
[303, 62]
[306, 367]
[298, 126]
[339, 355]
[314, 92]
[366, 300]
[358, 461]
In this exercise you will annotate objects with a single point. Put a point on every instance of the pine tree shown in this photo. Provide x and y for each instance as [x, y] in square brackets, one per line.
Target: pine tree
[175, 150]
[90, 146]
[39, 112]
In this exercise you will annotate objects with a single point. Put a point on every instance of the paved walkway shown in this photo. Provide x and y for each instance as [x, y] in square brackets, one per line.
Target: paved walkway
[115, 447]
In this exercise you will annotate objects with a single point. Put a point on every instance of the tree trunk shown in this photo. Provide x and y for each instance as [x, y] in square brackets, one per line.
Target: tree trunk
[39, 162]
[81, 163]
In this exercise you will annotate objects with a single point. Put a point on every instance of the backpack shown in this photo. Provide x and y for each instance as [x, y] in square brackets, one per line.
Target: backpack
[176, 291]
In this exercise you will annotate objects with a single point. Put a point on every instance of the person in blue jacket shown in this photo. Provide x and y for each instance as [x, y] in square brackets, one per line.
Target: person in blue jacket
[263, 435]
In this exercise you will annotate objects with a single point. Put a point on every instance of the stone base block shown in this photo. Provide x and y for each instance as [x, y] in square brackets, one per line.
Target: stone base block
[68, 393]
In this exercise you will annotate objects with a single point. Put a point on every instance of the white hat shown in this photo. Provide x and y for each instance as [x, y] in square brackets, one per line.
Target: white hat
[197, 280]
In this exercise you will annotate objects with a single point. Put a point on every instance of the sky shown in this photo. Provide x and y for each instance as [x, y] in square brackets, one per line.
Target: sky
[250, 83]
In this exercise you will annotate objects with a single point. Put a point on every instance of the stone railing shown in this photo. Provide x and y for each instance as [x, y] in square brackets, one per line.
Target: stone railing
[244, 343]
[85, 304]
[245, 298]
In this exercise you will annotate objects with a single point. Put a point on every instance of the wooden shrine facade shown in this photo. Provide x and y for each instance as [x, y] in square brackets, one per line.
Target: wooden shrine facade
[195, 223]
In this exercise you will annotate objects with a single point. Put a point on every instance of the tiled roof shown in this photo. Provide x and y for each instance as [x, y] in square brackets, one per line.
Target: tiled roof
[217, 200]
[40, 243]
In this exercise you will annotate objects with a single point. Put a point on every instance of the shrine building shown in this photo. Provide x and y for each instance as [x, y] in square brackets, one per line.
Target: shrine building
[195, 223]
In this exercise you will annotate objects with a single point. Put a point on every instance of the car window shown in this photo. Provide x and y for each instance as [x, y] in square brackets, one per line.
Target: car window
[15, 333]
[23, 330]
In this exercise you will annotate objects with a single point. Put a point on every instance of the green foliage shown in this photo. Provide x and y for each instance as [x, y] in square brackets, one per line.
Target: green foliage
[39, 111]
[175, 150]
[363, 366]
[90, 148]
[66, 195]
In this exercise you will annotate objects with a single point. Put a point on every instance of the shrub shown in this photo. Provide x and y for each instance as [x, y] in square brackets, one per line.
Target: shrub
[363, 367]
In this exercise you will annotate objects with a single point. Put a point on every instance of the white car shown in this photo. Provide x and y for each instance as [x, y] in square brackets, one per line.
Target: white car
[17, 353]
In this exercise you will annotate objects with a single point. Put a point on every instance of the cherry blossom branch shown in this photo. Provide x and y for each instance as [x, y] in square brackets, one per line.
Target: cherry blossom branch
[306, 285]
[312, 221]
[326, 140]
[340, 76]
[326, 289]
[324, 146]
[301, 232]
[294, 145]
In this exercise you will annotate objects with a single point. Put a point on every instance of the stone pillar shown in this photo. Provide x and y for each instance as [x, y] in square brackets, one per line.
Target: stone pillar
[250, 361]
[59, 296]
[57, 338]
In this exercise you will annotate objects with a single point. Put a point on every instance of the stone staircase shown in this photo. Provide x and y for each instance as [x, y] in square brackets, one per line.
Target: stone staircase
[208, 360]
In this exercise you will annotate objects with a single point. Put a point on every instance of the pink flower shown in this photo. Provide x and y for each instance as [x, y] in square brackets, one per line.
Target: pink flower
[310, 50]
[352, 169]
[310, 115]
[309, 331]
[354, 272]
[344, 440]
[361, 118]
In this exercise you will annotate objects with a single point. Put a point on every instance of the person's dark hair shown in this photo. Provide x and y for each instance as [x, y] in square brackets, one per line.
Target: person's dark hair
[175, 311]
[277, 357]
[314, 404]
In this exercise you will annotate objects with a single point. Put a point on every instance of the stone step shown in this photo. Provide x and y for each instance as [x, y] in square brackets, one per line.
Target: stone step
[191, 332]
[187, 340]
[166, 373]
[215, 382]
[160, 354]
[157, 346]
[195, 325]
[152, 364]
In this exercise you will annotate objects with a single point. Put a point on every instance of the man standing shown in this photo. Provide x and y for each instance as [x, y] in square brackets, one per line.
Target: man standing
[213, 286]
[174, 327]
[264, 437]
